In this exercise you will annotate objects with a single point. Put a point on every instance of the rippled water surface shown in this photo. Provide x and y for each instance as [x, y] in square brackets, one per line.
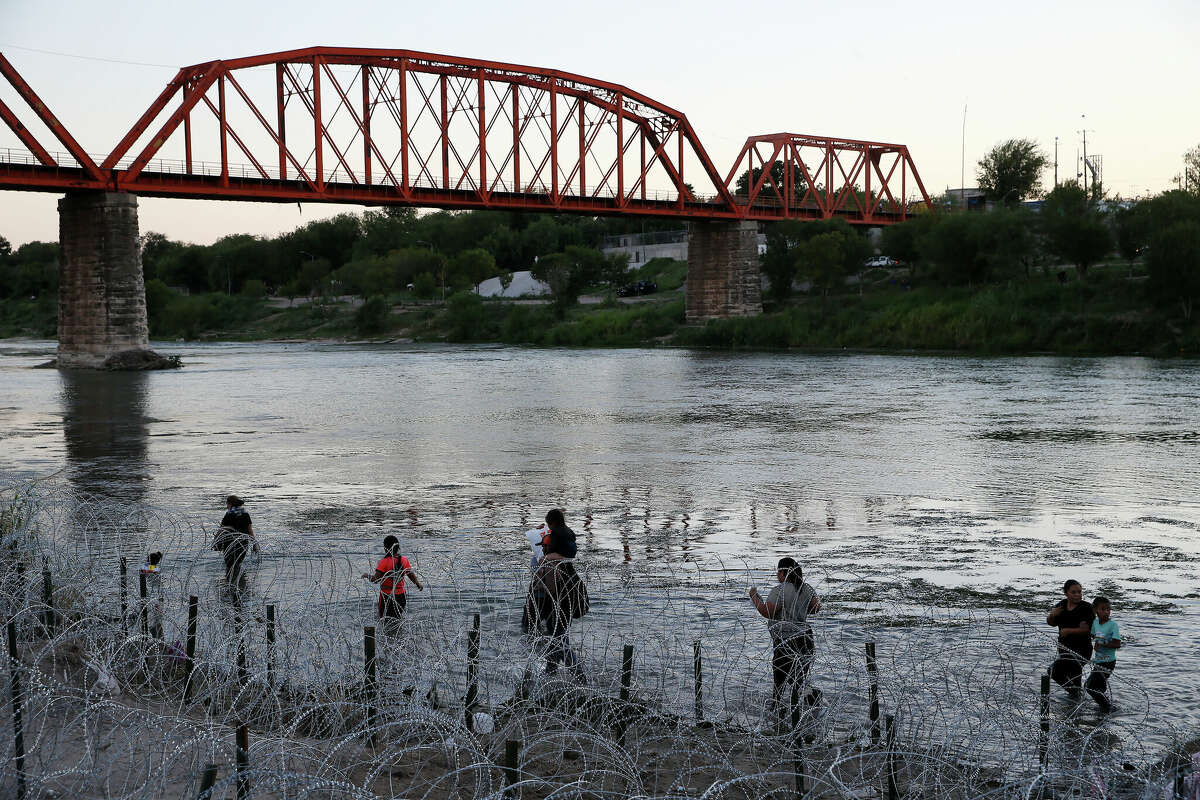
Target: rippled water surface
[963, 485]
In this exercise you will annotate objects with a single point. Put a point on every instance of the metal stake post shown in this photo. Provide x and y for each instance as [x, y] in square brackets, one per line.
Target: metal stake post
[271, 646]
[124, 592]
[190, 664]
[472, 674]
[145, 607]
[243, 762]
[18, 726]
[1044, 713]
[369, 676]
[873, 677]
[48, 599]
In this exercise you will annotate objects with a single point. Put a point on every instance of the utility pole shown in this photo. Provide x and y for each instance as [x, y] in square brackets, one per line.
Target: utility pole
[962, 175]
[1087, 187]
[1056, 161]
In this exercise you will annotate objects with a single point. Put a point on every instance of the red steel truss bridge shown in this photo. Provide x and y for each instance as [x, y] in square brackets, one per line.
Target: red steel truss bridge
[398, 127]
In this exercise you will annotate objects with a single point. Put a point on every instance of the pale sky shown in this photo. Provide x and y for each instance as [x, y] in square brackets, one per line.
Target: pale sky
[882, 71]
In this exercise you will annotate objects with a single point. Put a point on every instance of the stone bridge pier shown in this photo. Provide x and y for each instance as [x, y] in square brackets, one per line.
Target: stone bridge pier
[102, 295]
[723, 278]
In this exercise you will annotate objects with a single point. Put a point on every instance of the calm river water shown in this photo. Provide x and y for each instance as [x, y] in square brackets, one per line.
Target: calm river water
[968, 485]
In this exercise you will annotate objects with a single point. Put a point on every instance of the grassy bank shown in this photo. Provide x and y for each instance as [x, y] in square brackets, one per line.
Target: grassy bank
[36, 318]
[1108, 313]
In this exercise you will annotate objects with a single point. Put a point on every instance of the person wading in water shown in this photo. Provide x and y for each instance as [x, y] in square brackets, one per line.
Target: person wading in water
[235, 540]
[1073, 617]
[787, 609]
[390, 573]
[549, 603]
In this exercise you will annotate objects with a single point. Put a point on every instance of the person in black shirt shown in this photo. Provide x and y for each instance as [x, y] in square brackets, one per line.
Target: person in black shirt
[235, 539]
[1073, 618]
[547, 606]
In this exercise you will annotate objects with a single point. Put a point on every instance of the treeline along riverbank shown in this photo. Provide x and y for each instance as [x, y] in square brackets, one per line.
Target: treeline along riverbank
[1075, 277]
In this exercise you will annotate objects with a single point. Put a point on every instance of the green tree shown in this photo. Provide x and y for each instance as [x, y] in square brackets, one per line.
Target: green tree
[314, 277]
[900, 240]
[1131, 226]
[332, 239]
[155, 247]
[464, 312]
[158, 297]
[291, 290]
[470, 267]
[951, 248]
[408, 262]
[778, 263]
[254, 288]
[5, 248]
[1191, 170]
[541, 238]
[567, 274]
[1174, 266]
[615, 270]
[372, 316]
[774, 182]
[1006, 243]
[822, 261]
[1012, 171]
[424, 285]
[234, 259]
[187, 267]
[505, 246]
[782, 261]
[1168, 208]
[385, 230]
[353, 277]
[1074, 230]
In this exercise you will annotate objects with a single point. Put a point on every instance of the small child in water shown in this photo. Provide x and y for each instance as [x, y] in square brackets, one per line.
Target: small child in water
[1107, 638]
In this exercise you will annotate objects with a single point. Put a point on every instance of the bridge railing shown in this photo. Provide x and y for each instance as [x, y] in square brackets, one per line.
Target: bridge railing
[19, 156]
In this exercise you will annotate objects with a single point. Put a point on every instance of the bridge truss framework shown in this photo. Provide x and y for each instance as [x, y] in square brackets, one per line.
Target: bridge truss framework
[399, 127]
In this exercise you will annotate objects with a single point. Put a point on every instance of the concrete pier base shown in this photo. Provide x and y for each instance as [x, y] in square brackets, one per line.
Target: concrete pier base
[102, 297]
[723, 277]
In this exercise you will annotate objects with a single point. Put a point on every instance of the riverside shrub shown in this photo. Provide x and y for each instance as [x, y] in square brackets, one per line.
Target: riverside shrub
[372, 316]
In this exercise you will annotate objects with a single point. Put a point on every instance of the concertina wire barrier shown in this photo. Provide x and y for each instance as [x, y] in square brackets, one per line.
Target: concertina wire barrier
[295, 690]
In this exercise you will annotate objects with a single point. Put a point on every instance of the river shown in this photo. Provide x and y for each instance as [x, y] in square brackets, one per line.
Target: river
[952, 488]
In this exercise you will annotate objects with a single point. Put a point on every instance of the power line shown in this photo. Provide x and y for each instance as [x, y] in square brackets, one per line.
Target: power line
[87, 58]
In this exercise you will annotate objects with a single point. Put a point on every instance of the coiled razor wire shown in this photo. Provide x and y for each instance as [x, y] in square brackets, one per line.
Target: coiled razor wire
[280, 698]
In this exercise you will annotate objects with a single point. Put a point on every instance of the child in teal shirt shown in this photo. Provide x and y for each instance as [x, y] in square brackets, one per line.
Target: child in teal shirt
[1108, 638]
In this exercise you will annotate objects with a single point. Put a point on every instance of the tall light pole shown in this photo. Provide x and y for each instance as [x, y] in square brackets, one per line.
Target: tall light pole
[962, 174]
[1087, 182]
[1087, 187]
[1056, 161]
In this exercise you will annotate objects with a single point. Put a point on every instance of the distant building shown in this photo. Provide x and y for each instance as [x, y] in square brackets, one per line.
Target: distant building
[523, 284]
[974, 198]
[643, 247]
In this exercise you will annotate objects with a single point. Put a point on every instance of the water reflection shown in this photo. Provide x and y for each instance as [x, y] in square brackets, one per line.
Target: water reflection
[984, 482]
[106, 432]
